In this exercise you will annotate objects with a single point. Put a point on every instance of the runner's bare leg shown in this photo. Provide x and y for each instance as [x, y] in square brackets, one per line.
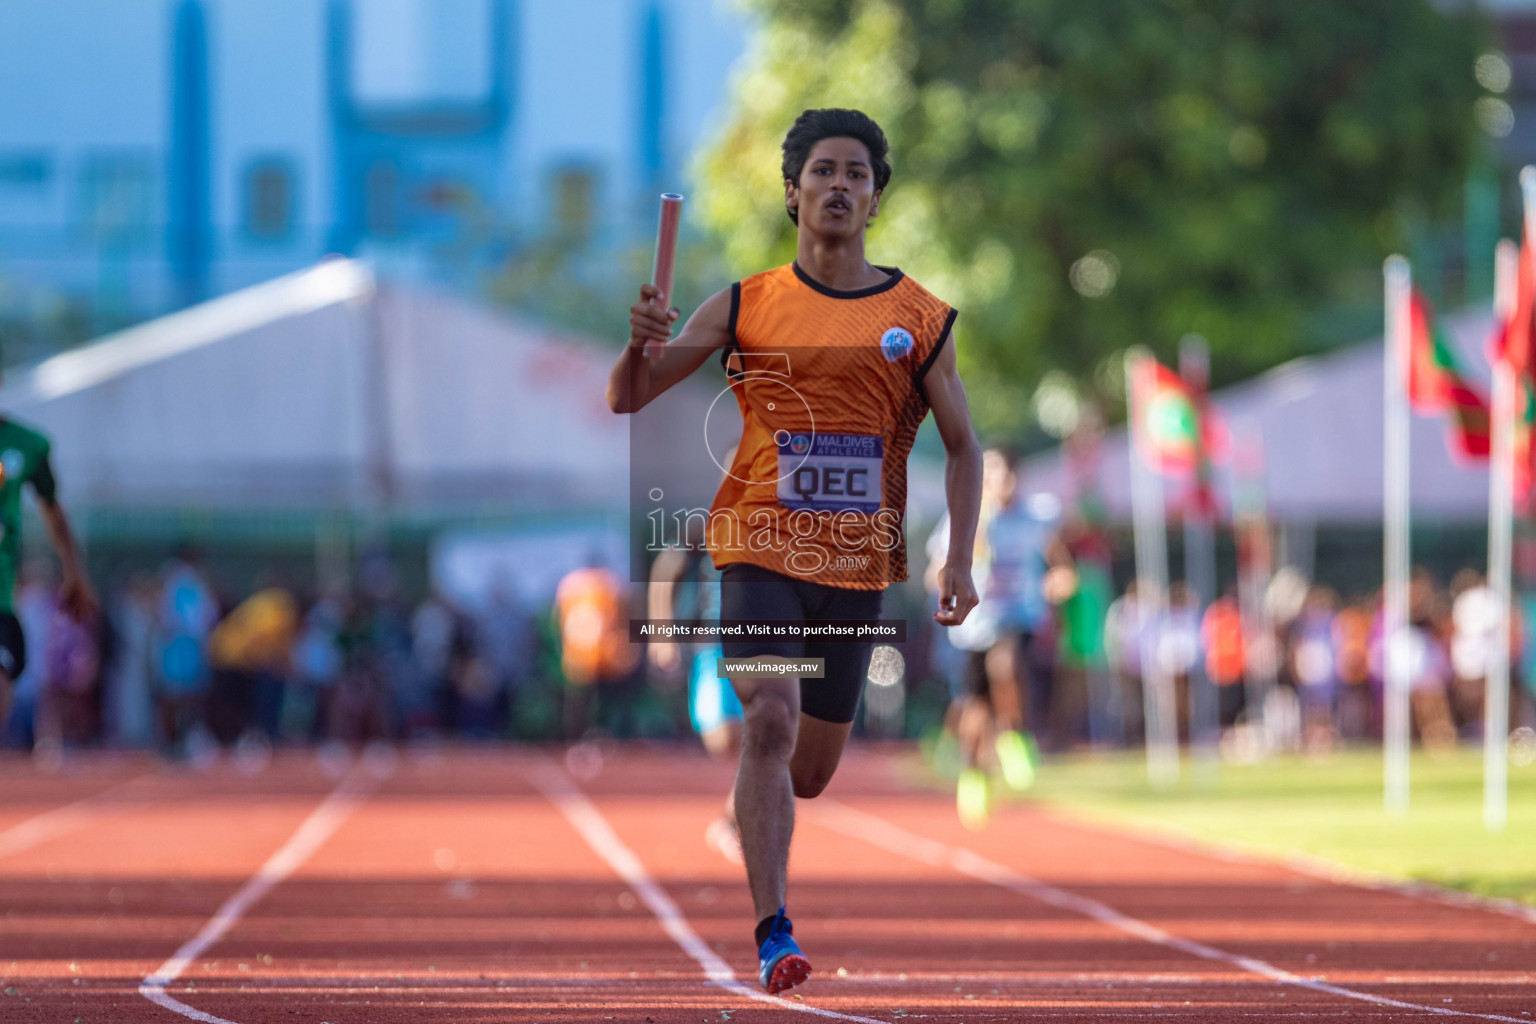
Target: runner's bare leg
[725, 741]
[765, 799]
[818, 749]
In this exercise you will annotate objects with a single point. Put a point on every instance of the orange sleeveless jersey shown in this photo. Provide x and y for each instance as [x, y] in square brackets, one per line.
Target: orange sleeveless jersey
[830, 386]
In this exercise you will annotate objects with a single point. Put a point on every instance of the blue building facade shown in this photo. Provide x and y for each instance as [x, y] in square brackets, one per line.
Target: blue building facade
[157, 152]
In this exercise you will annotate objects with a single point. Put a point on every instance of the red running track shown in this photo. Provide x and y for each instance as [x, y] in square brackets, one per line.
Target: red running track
[489, 886]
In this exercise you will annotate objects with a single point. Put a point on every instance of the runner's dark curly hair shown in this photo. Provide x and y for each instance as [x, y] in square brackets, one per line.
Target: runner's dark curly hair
[834, 123]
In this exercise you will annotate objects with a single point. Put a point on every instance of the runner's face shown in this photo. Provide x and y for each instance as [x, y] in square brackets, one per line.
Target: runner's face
[998, 482]
[836, 193]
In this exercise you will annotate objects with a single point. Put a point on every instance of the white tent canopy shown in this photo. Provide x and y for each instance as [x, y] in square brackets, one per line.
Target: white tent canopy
[325, 389]
[1319, 421]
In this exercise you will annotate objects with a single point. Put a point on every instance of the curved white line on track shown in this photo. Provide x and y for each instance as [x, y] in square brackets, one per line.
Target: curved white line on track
[1233, 851]
[877, 831]
[589, 822]
[322, 822]
[64, 820]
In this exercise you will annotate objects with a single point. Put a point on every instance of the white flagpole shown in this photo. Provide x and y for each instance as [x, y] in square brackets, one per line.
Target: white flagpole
[1395, 637]
[1160, 711]
[1250, 514]
[1501, 488]
[1500, 542]
[1200, 569]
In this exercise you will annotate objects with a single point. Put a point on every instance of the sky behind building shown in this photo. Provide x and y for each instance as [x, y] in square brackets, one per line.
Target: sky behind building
[156, 152]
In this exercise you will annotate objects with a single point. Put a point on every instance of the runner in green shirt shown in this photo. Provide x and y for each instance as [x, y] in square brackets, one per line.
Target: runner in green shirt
[24, 460]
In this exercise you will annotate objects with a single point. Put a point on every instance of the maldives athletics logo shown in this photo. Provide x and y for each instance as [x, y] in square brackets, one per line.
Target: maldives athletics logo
[12, 463]
[895, 343]
[799, 444]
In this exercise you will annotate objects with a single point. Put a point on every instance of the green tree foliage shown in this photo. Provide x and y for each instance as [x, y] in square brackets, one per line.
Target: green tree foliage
[1079, 177]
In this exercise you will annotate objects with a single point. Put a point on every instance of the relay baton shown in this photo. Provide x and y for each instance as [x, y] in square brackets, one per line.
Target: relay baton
[666, 253]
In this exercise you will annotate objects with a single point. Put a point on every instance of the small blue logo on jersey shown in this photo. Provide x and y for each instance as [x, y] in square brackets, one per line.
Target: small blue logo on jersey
[896, 343]
[799, 444]
[12, 462]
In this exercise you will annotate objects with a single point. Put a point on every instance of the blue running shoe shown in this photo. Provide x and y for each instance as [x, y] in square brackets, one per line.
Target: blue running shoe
[781, 965]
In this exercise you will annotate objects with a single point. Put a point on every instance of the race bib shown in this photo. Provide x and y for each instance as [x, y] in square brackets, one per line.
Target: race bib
[831, 472]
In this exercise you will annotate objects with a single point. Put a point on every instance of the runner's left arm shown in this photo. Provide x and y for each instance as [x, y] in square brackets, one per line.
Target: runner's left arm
[962, 484]
[75, 594]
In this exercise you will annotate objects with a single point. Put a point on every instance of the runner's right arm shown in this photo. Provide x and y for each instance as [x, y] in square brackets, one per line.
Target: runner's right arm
[1060, 580]
[636, 380]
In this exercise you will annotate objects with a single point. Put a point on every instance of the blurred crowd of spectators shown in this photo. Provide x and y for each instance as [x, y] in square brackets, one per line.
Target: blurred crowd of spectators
[171, 666]
[1315, 661]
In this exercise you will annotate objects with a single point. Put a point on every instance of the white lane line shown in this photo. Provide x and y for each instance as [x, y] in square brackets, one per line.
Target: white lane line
[877, 831]
[1232, 851]
[589, 822]
[64, 820]
[322, 822]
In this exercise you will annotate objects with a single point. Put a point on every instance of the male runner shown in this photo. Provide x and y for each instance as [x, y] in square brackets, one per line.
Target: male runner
[24, 460]
[808, 523]
[1018, 558]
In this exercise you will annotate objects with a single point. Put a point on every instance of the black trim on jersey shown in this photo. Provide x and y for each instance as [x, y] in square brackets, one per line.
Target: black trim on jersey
[43, 482]
[857, 293]
[13, 646]
[733, 345]
[922, 371]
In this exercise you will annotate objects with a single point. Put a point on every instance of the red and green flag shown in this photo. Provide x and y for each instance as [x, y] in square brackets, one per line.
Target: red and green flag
[1174, 429]
[1525, 416]
[1167, 427]
[1513, 345]
[1513, 342]
[1436, 383]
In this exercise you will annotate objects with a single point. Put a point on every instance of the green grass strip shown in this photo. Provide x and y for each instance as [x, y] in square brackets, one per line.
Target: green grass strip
[1327, 807]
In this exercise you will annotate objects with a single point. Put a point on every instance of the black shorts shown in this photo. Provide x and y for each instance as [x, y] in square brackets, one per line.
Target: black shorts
[973, 679]
[13, 647]
[752, 592]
